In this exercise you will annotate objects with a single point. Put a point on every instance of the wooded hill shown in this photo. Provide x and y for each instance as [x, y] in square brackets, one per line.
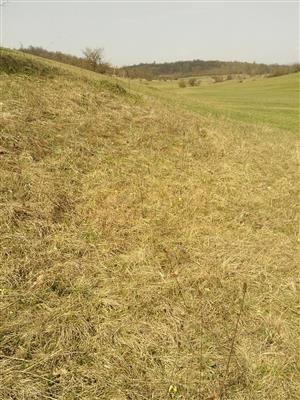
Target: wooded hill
[180, 69]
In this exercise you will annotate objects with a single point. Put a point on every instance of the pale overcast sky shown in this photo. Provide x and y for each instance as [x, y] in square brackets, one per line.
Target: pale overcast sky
[133, 32]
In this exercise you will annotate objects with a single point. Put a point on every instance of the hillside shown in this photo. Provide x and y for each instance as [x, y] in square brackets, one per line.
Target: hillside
[179, 69]
[132, 229]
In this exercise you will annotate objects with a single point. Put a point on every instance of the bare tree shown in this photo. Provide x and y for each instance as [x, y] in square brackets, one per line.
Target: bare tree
[93, 56]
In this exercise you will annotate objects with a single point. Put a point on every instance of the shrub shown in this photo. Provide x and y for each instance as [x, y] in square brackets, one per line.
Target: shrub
[182, 83]
[217, 79]
[192, 81]
[279, 71]
[296, 68]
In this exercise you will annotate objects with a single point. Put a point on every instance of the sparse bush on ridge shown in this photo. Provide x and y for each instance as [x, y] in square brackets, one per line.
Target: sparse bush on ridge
[182, 83]
[92, 60]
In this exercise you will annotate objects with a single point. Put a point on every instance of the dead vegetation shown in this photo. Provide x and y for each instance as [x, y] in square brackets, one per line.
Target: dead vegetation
[127, 232]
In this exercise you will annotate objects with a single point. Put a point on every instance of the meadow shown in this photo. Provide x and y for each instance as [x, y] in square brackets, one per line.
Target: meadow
[148, 237]
[256, 100]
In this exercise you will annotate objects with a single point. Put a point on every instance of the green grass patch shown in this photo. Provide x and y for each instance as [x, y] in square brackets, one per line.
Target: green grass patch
[272, 101]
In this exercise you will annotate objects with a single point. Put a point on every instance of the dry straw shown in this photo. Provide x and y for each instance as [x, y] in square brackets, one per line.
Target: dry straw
[104, 194]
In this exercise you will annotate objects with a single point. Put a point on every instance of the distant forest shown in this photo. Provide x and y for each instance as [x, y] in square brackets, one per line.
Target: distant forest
[181, 69]
[92, 59]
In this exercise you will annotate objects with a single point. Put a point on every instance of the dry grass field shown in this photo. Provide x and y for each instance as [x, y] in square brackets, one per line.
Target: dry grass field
[147, 251]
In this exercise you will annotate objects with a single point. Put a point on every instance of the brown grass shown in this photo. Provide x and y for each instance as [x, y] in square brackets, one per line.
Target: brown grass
[127, 231]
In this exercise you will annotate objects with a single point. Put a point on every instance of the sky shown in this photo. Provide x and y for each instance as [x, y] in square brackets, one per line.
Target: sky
[137, 31]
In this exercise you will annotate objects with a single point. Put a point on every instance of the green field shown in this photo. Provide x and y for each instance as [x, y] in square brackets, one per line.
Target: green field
[272, 101]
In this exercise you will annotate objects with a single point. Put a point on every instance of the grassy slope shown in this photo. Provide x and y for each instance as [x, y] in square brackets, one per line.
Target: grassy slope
[127, 231]
[273, 101]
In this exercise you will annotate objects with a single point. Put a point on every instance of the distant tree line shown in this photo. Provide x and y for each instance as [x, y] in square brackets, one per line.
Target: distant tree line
[92, 58]
[278, 70]
[181, 69]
